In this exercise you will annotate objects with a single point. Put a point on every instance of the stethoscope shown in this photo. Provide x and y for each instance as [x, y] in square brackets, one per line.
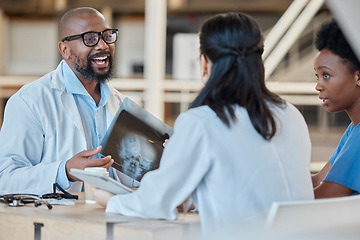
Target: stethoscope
[18, 200]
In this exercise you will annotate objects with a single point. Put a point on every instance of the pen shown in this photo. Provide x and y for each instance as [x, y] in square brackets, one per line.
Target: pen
[151, 141]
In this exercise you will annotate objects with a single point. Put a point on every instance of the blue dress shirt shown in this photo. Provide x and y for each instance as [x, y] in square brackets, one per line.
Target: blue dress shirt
[93, 116]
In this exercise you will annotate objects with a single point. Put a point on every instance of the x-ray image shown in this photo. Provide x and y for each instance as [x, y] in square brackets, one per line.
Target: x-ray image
[135, 140]
[137, 155]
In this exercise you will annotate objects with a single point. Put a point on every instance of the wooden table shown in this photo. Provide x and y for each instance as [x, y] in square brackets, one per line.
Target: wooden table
[89, 221]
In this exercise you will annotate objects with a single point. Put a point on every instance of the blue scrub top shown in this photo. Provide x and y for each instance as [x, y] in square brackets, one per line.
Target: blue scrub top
[345, 160]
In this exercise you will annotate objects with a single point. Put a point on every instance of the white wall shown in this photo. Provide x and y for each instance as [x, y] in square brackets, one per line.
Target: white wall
[186, 62]
[30, 47]
[130, 45]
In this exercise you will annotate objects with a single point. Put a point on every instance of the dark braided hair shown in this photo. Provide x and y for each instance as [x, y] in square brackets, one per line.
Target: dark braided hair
[234, 43]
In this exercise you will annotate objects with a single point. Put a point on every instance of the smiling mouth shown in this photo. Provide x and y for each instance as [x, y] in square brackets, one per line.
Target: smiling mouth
[100, 60]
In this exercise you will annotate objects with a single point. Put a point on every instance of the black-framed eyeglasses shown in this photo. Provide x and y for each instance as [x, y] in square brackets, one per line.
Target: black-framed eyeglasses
[92, 38]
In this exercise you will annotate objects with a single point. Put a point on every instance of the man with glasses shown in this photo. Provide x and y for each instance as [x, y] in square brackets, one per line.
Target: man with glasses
[57, 122]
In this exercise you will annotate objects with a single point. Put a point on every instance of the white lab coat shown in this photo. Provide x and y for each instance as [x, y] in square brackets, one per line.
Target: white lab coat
[41, 128]
[233, 174]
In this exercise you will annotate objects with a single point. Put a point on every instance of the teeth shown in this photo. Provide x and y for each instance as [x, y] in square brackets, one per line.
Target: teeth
[100, 58]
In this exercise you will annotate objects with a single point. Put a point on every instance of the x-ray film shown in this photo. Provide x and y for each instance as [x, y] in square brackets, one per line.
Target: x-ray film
[135, 140]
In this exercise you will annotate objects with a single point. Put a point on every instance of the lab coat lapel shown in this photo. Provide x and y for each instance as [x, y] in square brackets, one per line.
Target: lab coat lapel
[72, 111]
[112, 107]
[67, 99]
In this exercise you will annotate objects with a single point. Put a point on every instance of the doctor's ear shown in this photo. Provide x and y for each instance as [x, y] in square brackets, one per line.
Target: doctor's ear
[64, 50]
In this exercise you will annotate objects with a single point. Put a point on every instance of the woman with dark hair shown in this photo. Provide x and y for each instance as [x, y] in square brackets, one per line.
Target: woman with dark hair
[237, 74]
[338, 82]
[237, 150]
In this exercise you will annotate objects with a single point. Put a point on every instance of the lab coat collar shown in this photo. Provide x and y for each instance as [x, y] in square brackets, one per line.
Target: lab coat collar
[113, 106]
[67, 99]
[69, 104]
[57, 78]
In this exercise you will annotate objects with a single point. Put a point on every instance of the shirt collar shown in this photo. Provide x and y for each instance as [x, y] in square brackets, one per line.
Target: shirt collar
[74, 86]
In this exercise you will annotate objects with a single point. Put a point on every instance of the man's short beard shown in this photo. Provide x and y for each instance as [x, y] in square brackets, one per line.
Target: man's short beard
[89, 72]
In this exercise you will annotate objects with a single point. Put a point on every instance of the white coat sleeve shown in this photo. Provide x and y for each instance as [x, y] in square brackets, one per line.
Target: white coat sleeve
[183, 165]
[21, 145]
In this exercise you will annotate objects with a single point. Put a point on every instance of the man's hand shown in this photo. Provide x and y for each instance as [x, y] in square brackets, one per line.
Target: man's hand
[82, 160]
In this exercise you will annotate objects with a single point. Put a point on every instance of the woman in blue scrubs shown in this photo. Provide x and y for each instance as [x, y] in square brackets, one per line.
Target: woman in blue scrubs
[338, 82]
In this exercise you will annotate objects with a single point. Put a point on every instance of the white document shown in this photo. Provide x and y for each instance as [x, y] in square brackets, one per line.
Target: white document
[101, 181]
